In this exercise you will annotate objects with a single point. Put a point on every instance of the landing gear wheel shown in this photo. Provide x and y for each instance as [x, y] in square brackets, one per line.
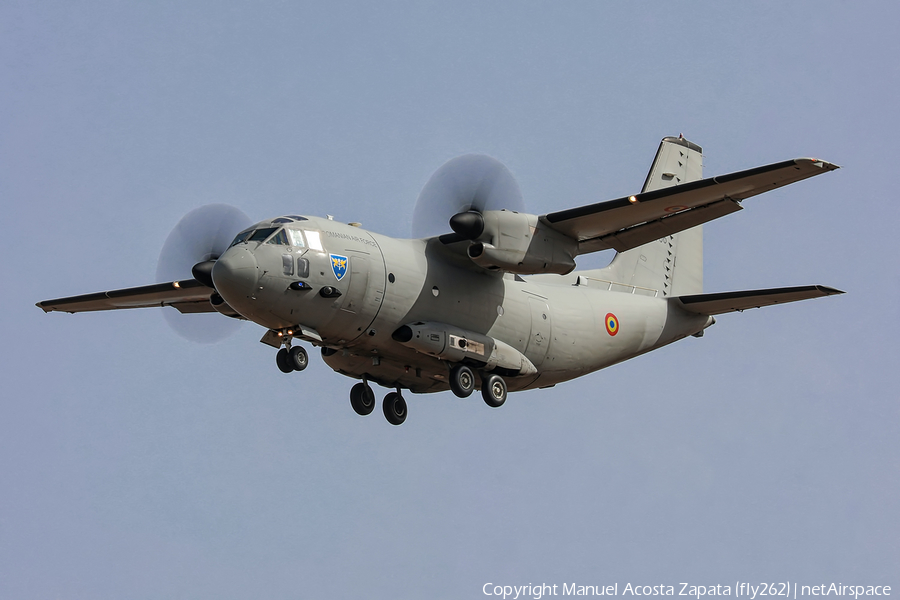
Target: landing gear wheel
[394, 408]
[362, 399]
[462, 381]
[493, 390]
[298, 359]
[282, 360]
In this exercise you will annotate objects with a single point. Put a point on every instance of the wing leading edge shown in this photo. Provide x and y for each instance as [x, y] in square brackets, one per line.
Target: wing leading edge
[633, 221]
[188, 296]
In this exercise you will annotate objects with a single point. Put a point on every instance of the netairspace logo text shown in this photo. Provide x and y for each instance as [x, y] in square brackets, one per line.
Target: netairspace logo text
[787, 589]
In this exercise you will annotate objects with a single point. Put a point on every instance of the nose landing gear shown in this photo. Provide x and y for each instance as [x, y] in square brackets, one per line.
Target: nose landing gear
[290, 359]
[298, 358]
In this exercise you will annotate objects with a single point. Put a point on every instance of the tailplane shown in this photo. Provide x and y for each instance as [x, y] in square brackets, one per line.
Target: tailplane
[725, 302]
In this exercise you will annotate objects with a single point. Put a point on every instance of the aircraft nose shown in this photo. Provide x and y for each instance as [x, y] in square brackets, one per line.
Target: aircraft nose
[235, 275]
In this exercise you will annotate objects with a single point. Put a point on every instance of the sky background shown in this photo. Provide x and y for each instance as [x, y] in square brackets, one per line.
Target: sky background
[136, 464]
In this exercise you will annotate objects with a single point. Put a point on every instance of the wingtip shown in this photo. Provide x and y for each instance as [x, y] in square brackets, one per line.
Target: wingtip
[817, 162]
[829, 291]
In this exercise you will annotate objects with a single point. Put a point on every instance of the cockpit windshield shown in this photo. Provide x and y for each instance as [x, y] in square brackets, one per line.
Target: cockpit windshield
[253, 235]
[283, 237]
[261, 234]
[279, 238]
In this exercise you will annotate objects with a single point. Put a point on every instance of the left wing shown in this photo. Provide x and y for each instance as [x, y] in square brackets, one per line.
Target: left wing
[188, 296]
[636, 220]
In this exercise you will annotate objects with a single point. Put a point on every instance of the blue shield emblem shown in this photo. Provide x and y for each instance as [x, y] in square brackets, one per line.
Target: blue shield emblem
[339, 265]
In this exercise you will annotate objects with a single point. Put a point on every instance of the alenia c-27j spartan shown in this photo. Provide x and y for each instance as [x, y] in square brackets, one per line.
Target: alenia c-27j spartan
[497, 304]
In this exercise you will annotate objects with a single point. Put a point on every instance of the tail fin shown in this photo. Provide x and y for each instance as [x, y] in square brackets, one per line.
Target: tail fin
[674, 264]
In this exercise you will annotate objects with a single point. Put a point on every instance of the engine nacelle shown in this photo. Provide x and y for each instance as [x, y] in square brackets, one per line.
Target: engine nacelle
[456, 345]
[515, 242]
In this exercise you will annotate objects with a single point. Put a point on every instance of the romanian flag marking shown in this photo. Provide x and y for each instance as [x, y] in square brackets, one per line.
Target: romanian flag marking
[612, 324]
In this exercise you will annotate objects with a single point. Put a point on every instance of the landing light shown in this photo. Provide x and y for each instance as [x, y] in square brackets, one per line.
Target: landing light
[176, 285]
[632, 199]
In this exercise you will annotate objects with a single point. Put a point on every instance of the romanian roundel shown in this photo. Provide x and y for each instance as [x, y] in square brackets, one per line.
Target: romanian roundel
[612, 324]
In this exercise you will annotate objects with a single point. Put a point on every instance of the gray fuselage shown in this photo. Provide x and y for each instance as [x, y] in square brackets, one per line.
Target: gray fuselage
[565, 330]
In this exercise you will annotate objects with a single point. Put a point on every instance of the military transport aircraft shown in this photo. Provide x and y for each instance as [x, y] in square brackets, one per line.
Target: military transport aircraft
[496, 304]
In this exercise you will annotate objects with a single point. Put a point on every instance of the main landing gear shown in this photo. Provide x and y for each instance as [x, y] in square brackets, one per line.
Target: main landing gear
[394, 407]
[493, 390]
[493, 387]
[362, 399]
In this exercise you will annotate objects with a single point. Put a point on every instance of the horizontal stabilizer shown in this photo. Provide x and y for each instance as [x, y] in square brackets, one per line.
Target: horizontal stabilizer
[188, 296]
[716, 304]
[629, 222]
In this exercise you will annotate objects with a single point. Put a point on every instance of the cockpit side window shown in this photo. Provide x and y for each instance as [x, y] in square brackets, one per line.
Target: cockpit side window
[296, 237]
[279, 238]
[314, 240]
[261, 234]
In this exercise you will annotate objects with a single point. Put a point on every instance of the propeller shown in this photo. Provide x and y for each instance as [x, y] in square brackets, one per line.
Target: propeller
[471, 182]
[199, 238]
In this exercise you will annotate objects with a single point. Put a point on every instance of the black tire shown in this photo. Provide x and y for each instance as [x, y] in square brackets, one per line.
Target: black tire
[394, 407]
[283, 361]
[362, 399]
[493, 390]
[298, 359]
[462, 381]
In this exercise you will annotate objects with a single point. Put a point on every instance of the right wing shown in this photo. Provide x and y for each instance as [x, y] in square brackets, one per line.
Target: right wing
[188, 296]
[636, 220]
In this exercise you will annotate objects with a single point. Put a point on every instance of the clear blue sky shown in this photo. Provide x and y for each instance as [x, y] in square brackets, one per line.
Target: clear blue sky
[136, 464]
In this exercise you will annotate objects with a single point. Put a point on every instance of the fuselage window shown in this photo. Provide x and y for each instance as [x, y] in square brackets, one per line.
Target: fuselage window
[314, 240]
[279, 238]
[296, 238]
[261, 234]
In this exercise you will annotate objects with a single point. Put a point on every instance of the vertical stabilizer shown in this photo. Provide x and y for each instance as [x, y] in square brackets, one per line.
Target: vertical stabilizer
[673, 264]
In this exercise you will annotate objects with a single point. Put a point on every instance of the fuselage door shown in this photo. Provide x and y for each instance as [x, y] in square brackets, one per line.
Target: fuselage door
[539, 341]
[363, 296]
[359, 279]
